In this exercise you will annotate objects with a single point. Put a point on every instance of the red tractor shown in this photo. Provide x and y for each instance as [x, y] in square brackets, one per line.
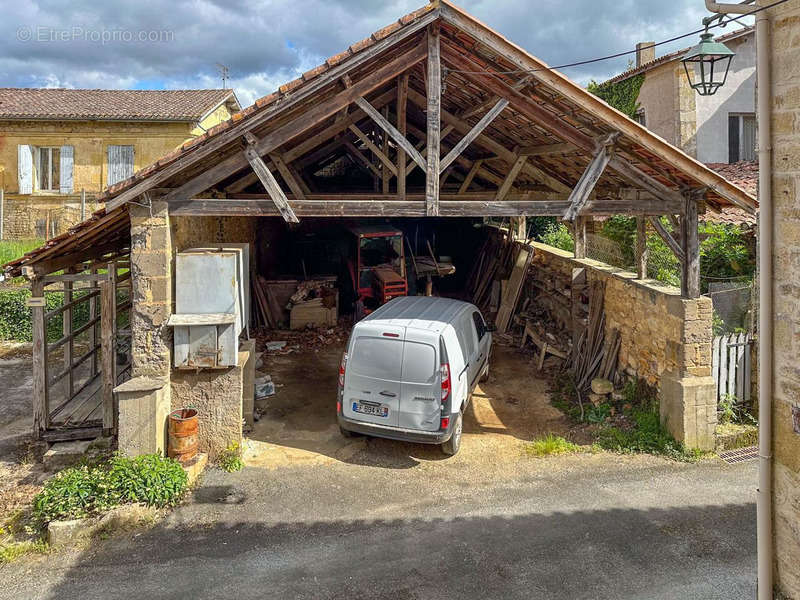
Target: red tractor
[378, 268]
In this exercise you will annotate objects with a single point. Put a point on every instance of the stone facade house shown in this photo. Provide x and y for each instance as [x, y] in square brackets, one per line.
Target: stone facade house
[57, 145]
[785, 182]
[714, 129]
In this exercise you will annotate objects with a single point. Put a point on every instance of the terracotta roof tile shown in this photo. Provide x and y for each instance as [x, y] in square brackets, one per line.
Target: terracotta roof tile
[337, 58]
[316, 71]
[156, 105]
[359, 46]
[386, 31]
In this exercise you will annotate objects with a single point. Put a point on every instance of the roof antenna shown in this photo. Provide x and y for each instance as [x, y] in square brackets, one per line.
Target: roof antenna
[223, 72]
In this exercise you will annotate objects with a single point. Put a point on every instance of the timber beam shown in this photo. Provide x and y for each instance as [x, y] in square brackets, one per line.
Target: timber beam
[434, 91]
[586, 184]
[490, 116]
[268, 180]
[301, 123]
[668, 239]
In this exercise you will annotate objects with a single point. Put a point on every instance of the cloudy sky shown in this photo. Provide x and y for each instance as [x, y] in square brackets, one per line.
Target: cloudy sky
[155, 44]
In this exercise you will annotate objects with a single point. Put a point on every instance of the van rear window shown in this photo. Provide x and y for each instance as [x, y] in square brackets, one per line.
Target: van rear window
[419, 363]
[379, 358]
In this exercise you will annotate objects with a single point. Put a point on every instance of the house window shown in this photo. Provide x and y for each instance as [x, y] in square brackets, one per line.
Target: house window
[120, 163]
[640, 118]
[741, 137]
[48, 169]
[44, 169]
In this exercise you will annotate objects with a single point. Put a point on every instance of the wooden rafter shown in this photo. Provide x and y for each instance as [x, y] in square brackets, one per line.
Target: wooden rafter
[548, 149]
[402, 103]
[434, 103]
[390, 129]
[473, 170]
[668, 239]
[291, 178]
[387, 162]
[301, 123]
[359, 157]
[268, 180]
[510, 178]
[586, 184]
[473, 133]
[493, 146]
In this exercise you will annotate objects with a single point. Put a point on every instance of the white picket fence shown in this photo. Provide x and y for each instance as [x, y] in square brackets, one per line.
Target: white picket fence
[731, 365]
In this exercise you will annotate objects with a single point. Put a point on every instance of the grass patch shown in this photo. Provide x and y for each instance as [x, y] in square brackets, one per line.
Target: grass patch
[13, 550]
[13, 249]
[549, 445]
[646, 436]
[230, 459]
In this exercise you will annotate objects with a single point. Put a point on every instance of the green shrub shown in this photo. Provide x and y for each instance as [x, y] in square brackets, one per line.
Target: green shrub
[230, 459]
[647, 436]
[81, 491]
[550, 444]
[15, 316]
[558, 236]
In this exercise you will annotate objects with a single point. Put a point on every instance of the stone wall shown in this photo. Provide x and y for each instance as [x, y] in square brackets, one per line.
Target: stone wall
[217, 395]
[785, 64]
[665, 339]
[30, 217]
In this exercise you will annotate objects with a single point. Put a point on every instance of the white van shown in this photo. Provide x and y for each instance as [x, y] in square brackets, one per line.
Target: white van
[410, 368]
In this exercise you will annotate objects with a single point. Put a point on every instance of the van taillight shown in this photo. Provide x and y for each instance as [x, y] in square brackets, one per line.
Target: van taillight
[445, 370]
[342, 367]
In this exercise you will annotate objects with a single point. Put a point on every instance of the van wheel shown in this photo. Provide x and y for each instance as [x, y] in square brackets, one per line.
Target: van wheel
[451, 446]
[485, 377]
[347, 433]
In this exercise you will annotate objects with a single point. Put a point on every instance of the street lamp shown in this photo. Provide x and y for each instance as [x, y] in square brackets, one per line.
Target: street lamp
[710, 61]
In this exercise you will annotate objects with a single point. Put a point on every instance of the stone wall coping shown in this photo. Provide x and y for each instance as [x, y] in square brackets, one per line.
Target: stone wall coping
[140, 384]
[652, 285]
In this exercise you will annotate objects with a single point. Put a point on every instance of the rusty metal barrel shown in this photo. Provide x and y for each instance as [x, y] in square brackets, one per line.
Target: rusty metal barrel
[182, 431]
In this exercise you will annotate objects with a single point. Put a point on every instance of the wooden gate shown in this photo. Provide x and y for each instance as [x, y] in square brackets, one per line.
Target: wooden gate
[75, 374]
[731, 366]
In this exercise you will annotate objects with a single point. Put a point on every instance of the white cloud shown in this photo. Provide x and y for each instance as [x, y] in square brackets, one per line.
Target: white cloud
[267, 42]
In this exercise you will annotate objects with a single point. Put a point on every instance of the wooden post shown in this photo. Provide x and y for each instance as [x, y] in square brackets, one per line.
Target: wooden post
[83, 205]
[434, 89]
[69, 347]
[690, 239]
[519, 228]
[386, 174]
[641, 248]
[107, 309]
[402, 103]
[93, 330]
[40, 403]
[579, 230]
[2, 213]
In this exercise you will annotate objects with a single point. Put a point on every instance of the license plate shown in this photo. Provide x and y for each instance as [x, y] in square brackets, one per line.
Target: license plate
[377, 410]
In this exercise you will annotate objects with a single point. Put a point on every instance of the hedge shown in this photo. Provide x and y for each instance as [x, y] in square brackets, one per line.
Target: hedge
[15, 316]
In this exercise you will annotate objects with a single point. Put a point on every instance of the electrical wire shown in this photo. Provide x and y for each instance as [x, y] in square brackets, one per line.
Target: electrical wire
[721, 23]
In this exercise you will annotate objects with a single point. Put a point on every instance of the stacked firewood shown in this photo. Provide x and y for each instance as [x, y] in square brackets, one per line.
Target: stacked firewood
[492, 264]
[594, 355]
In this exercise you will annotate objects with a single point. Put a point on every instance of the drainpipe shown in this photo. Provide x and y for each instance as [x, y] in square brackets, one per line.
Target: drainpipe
[765, 230]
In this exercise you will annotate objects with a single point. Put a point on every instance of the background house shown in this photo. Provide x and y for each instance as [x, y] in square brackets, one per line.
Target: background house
[714, 129]
[57, 143]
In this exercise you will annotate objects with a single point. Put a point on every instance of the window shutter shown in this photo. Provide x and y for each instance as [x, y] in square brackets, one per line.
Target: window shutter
[748, 142]
[25, 168]
[733, 138]
[65, 183]
[120, 163]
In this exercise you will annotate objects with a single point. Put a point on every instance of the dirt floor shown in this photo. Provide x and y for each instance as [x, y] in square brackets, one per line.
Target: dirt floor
[298, 424]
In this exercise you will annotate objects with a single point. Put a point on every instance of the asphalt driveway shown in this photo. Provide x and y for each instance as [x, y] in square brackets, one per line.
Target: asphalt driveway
[582, 526]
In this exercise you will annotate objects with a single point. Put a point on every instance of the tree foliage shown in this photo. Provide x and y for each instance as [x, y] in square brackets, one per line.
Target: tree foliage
[622, 95]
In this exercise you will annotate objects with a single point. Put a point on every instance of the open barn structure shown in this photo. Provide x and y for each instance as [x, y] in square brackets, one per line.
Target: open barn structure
[434, 119]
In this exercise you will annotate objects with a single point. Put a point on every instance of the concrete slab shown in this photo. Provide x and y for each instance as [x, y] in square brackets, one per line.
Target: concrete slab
[65, 454]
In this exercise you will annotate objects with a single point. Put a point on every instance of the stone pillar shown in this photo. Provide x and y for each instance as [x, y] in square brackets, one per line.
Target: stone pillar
[687, 392]
[151, 270]
[144, 400]
[143, 410]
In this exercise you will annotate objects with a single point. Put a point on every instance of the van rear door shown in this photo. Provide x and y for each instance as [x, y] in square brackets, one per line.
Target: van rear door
[372, 381]
[420, 392]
